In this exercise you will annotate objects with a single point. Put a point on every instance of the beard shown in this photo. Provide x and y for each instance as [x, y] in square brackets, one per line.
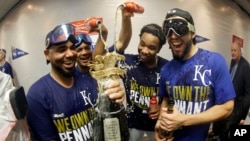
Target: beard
[65, 73]
[185, 52]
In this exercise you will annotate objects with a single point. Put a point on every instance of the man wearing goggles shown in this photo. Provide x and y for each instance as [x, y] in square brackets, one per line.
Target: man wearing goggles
[84, 52]
[61, 104]
[60, 43]
[179, 26]
[192, 74]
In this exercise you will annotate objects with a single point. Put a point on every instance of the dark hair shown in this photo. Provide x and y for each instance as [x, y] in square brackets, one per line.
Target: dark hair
[3, 51]
[157, 31]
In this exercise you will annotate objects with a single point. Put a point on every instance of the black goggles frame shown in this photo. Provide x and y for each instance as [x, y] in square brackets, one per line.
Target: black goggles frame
[179, 26]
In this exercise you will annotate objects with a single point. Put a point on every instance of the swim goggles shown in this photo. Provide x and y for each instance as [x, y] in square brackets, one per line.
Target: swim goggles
[85, 38]
[60, 34]
[179, 26]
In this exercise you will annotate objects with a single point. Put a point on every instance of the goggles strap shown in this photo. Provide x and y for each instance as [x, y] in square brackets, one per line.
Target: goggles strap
[191, 27]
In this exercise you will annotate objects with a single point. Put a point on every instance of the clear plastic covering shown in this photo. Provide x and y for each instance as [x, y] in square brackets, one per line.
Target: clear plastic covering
[11, 129]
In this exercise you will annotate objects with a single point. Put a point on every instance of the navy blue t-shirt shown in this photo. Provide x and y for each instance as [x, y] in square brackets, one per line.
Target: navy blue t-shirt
[59, 113]
[140, 83]
[6, 68]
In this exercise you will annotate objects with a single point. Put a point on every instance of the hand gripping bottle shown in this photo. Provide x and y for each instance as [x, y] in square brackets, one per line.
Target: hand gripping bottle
[93, 22]
[133, 7]
[153, 103]
[163, 133]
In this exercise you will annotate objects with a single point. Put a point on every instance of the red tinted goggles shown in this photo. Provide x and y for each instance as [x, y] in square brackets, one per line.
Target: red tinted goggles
[60, 34]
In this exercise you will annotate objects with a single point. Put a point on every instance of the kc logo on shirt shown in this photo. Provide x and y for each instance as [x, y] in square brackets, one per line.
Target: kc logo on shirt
[202, 75]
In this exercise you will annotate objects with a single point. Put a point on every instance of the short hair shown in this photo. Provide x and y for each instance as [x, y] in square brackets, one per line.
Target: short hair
[3, 51]
[157, 31]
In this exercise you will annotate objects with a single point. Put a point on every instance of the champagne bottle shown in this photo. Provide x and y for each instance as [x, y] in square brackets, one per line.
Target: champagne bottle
[133, 7]
[163, 133]
[93, 22]
[110, 123]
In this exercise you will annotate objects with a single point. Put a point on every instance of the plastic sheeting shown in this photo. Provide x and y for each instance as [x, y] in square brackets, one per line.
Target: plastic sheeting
[11, 129]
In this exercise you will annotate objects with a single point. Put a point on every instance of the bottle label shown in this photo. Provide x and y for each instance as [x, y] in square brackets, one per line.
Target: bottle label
[111, 129]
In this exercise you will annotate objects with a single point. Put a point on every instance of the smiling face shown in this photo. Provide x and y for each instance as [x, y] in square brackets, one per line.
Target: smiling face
[180, 46]
[62, 58]
[180, 42]
[148, 48]
[84, 55]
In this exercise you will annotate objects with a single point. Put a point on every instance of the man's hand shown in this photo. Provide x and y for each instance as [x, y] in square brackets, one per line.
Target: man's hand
[171, 121]
[116, 91]
[157, 133]
[154, 114]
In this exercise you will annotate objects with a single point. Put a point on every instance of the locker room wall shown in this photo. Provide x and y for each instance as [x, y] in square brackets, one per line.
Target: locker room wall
[26, 26]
